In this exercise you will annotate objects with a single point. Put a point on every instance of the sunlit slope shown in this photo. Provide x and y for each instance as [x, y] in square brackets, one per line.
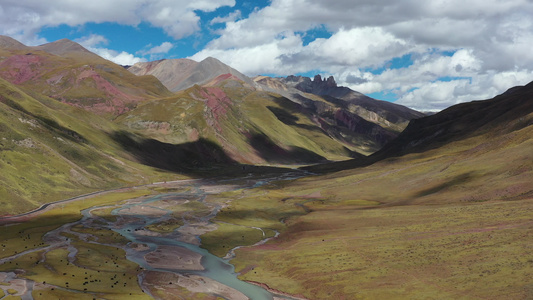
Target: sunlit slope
[440, 221]
[66, 71]
[50, 151]
[183, 73]
[251, 126]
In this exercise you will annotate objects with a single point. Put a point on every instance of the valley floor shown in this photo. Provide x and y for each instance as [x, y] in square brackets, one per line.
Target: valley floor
[141, 242]
[450, 223]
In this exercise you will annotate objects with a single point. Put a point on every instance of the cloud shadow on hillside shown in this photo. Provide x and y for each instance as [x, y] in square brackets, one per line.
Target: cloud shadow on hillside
[289, 119]
[201, 158]
[183, 158]
[273, 153]
[460, 179]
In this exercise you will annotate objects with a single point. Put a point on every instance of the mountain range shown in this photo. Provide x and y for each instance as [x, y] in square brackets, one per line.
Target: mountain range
[184, 116]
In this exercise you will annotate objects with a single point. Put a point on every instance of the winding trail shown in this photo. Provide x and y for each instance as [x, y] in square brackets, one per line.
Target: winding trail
[35, 212]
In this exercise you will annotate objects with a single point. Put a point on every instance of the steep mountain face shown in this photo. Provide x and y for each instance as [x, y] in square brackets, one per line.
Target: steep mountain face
[472, 128]
[66, 71]
[50, 151]
[317, 86]
[7, 42]
[393, 113]
[180, 74]
[345, 114]
[508, 112]
[353, 120]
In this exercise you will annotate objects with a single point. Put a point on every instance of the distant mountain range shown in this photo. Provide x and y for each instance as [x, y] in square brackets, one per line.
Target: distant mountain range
[344, 119]
[72, 121]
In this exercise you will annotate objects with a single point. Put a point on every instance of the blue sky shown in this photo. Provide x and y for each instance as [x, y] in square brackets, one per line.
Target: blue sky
[427, 55]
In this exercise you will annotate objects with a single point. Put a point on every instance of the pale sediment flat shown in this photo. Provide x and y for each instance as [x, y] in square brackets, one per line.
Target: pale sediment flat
[174, 258]
[168, 285]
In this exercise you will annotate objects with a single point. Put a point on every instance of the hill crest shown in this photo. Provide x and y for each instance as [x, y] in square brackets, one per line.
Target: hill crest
[180, 74]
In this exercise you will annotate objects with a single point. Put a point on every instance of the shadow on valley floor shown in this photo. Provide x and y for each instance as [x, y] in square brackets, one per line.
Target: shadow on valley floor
[459, 179]
[201, 158]
[273, 153]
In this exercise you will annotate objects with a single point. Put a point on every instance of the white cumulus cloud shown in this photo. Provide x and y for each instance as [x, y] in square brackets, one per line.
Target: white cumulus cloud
[94, 44]
[468, 48]
[163, 48]
[121, 58]
[460, 50]
[229, 18]
[178, 18]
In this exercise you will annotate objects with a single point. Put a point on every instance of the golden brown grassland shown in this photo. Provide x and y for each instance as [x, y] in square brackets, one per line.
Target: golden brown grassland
[454, 222]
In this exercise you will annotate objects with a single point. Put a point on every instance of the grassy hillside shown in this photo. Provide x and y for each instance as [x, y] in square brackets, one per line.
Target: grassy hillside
[250, 126]
[449, 221]
[51, 151]
[79, 78]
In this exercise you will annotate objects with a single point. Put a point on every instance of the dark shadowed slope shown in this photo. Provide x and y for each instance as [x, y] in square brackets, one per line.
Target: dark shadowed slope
[251, 126]
[393, 113]
[505, 113]
[345, 114]
[476, 122]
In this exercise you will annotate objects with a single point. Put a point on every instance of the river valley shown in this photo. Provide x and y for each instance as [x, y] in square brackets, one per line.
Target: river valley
[152, 241]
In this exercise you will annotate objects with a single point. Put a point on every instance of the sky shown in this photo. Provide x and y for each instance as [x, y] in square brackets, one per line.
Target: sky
[427, 55]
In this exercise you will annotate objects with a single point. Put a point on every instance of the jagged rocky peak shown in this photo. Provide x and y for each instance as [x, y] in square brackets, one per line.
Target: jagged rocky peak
[330, 82]
[305, 84]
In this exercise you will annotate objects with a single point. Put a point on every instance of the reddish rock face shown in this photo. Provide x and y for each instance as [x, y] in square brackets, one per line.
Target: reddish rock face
[18, 69]
[218, 104]
[114, 100]
[66, 71]
[221, 78]
[81, 86]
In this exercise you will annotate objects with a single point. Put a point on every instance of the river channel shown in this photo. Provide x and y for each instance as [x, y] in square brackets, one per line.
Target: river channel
[160, 233]
[133, 217]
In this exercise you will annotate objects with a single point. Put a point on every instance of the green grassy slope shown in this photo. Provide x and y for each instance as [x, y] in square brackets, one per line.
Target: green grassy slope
[50, 151]
[82, 79]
